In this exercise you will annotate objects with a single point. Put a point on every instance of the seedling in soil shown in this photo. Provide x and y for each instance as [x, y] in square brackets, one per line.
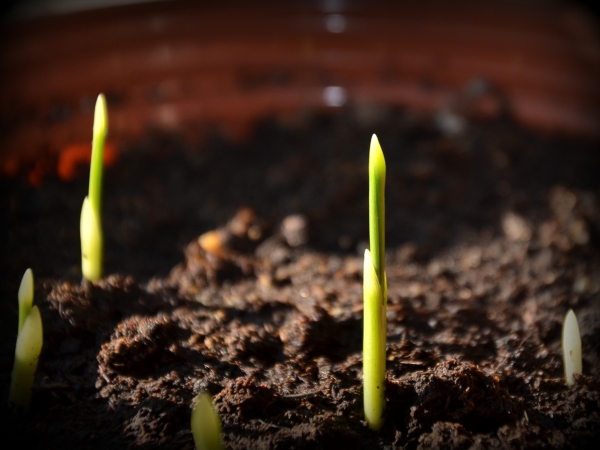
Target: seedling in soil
[206, 424]
[27, 353]
[25, 297]
[571, 345]
[375, 294]
[91, 218]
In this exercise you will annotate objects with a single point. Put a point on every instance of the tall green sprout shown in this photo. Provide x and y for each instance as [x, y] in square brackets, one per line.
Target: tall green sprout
[375, 294]
[92, 241]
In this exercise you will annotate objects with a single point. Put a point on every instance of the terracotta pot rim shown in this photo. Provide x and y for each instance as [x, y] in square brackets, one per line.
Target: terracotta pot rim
[169, 64]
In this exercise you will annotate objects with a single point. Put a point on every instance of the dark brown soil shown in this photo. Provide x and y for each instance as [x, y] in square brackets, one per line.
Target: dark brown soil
[492, 235]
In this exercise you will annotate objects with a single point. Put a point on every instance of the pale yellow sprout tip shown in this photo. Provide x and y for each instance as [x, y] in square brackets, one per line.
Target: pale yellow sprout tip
[25, 296]
[100, 116]
[206, 424]
[376, 158]
[375, 142]
[571, 346]
[27, 353]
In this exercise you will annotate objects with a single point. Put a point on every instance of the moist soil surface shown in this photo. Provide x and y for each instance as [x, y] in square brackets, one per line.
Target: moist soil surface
[236, 268]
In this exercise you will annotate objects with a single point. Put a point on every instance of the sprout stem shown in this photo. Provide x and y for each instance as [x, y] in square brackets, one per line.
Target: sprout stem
[373, 346]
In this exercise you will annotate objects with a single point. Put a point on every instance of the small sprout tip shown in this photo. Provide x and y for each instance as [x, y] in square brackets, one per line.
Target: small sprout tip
[206, 424]
[27, 353]
[25, 297]
[571, 346]
[100, 116]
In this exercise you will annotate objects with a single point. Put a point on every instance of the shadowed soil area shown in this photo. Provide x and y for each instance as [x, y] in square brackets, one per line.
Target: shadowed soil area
[237, 269]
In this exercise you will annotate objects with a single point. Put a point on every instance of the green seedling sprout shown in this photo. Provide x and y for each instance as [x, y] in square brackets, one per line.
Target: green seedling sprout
[206, 424]
[91, 218]
[375, 294]
[27, 353]
[25, 297]
[571, 346]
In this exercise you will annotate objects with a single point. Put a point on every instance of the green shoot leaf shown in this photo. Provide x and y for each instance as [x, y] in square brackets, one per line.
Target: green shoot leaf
[377, 172]
[27, 353]
[96, 166]
[206, 424]
[25, 297]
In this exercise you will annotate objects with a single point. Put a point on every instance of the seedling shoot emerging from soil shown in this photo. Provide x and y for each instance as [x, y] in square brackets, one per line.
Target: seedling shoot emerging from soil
[571, 344]
[206, 424]
[27, 353]
[25, 297]
[375, 294]
[91, 225]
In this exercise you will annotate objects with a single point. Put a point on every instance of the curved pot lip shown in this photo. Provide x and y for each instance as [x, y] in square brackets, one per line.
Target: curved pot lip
[173, 64]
